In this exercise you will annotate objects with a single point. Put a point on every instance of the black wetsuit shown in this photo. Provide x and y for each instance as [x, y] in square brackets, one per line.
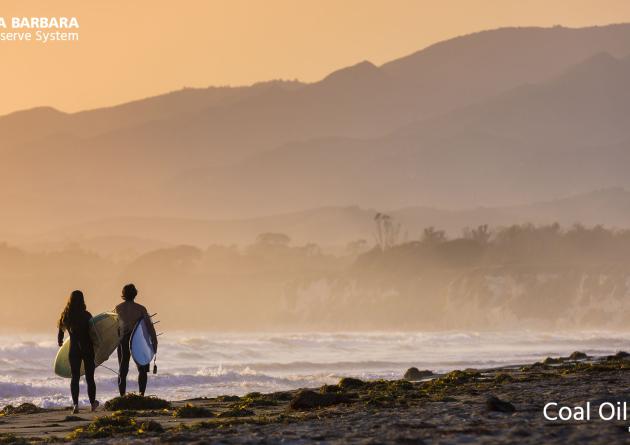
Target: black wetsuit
[124, 355]
[81, 350]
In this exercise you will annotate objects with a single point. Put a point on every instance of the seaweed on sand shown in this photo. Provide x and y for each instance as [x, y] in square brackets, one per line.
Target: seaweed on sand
[237, 411]
[503, 378]
[73, 419]
[12, 439]
[228, 399]
[189, 411]
[452, 381]
[389, 392]
[225, 422]
[24, 408]
[117, 423]
[351, 383]
[150, 426]
[136, 401]
[106, 426]
[256, 399]
[307, 399]
[609, 365]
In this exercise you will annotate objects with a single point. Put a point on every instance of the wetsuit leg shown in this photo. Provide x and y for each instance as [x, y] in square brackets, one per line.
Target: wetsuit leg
[142, 379]
[124, 354]
[75, 369]
[88, 362]
[143, 376]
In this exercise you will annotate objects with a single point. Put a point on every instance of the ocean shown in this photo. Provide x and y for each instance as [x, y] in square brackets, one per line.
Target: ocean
[210, 364]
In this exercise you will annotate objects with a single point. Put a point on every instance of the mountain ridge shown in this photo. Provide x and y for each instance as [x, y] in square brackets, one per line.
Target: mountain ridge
[371, 136]
[558, 130]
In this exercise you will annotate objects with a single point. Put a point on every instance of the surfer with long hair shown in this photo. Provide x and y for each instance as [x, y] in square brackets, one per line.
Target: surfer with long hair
[129, 313]
[75, 319]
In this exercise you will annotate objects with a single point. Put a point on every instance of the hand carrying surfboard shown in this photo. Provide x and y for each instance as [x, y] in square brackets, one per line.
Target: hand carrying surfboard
[105, 334]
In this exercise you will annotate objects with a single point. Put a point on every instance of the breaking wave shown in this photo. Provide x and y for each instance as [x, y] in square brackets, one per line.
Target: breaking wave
[203, 364]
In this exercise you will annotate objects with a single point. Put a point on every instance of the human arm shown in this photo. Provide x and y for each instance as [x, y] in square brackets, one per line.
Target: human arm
[60, 337]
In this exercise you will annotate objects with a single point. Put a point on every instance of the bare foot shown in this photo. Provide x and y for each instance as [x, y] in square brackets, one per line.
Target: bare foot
[95, 405]
[75, 409]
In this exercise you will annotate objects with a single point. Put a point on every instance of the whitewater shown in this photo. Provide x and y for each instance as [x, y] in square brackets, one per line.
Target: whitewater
[209, 364]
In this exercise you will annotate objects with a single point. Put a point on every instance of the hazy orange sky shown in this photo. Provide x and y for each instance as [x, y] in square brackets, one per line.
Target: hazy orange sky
[133, 49]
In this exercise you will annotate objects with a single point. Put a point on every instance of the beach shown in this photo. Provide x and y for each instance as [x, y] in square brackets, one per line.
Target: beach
[497, 405]
[206, 364]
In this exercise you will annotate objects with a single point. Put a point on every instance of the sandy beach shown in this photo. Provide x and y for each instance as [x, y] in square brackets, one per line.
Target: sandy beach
[502, 405]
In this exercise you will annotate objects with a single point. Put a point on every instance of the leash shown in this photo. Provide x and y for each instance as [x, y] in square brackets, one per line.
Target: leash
[107, 367]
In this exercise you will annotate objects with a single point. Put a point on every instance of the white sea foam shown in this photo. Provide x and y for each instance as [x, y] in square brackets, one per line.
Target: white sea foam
[198, 364]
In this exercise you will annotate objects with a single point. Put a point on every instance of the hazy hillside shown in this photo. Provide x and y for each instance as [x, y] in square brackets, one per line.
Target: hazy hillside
[333, 228]
[473, 67]
[521, 276]
[564, 136]
[425, 129]
[441, 77]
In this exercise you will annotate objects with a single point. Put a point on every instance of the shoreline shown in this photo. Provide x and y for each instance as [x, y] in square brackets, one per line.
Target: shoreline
[494, 405]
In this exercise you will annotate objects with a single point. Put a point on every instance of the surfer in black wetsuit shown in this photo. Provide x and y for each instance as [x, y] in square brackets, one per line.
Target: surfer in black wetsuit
[129, 313]
[75, 319]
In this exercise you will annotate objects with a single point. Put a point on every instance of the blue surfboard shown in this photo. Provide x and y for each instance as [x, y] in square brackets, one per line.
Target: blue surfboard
[141, 346]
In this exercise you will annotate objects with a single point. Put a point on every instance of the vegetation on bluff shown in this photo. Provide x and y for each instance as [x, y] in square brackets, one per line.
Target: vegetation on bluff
[540, 276]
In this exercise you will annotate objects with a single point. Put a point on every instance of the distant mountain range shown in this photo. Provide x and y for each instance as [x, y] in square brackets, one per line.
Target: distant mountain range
[495, 118]
[331, 227]
[565, 136]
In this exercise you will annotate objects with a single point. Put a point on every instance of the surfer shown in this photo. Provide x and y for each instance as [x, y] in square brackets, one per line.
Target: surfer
[129, 313]
[75, 319]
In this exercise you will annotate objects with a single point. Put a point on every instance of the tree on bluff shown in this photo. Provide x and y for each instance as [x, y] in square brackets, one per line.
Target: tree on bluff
[273, 239]
[432, 236]
[357, 247]
[481, 234]
[387, 231]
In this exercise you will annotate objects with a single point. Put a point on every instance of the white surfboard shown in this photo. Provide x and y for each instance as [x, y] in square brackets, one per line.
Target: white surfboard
[141, 346]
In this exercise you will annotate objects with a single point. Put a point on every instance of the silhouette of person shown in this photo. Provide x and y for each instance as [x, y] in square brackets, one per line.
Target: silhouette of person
[129, 313]
[75, 319]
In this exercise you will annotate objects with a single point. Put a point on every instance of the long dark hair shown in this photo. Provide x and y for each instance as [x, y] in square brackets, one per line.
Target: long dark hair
[75, 307]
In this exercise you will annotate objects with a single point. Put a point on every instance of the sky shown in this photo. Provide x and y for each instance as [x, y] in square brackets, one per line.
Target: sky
[130, 50]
